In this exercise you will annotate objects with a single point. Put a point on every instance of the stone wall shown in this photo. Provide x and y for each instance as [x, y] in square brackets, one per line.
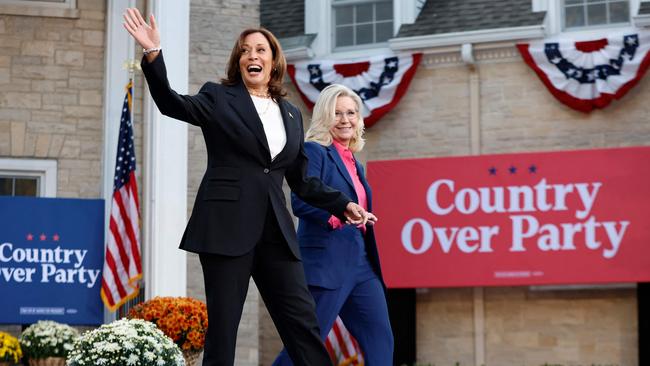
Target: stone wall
[51, 94]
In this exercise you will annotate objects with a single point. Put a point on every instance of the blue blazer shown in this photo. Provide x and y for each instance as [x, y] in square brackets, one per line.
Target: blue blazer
[329, 255]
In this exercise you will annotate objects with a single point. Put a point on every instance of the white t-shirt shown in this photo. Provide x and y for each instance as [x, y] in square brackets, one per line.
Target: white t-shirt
[271, 118]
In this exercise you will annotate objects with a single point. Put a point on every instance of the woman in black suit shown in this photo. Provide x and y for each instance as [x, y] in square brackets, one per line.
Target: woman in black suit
[240, 226]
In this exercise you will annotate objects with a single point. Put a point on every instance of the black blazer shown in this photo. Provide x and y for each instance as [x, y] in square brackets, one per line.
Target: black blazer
[240, 179]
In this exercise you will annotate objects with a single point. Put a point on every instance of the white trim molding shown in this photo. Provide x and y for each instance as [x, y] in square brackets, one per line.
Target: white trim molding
[298, 54]
[427, 42]
[45, 169]
[641, 21]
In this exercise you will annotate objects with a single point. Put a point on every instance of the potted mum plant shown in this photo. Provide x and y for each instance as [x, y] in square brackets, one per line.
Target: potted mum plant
[125, 342]
[183, 319]
[10, 351]
[47, 343]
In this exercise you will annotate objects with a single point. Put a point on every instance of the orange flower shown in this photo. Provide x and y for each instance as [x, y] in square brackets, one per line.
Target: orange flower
[183, 319]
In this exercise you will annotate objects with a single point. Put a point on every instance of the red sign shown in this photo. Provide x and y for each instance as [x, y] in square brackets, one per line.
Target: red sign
[515, 219]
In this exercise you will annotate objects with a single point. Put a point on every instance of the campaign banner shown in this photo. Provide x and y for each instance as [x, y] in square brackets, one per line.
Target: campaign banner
[569, 217]
[51, 257]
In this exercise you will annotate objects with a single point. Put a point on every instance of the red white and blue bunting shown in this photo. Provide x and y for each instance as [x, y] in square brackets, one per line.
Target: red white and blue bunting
[589, 75]
[380, 81]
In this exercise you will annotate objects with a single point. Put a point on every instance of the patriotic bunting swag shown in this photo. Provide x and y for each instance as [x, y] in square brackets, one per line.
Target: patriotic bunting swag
[380, 81]
[588, 75]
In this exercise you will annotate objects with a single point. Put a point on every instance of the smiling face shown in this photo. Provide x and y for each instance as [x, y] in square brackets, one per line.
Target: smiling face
[256, 62]
[346, 118]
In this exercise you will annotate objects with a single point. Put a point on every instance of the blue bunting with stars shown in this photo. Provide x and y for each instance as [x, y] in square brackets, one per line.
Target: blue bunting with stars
[590, 74]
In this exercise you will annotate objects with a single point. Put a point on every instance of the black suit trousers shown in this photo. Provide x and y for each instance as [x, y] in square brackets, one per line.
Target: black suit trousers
[280, 278]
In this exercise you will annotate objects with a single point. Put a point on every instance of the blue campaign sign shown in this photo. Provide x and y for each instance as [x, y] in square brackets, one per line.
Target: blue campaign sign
[51, 259]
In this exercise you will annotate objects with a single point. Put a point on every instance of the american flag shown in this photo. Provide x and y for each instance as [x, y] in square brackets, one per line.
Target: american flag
[342, 347]
[122, 264]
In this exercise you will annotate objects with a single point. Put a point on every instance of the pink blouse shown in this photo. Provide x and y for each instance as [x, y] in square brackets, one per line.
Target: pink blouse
[349, 162]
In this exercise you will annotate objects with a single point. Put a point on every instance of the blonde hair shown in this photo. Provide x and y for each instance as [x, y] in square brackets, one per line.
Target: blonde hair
[323, 118]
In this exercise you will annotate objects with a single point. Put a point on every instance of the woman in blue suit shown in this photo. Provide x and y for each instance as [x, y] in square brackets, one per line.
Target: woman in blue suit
[341, 261]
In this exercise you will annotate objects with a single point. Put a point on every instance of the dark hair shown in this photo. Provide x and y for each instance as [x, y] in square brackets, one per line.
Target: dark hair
[233, 75]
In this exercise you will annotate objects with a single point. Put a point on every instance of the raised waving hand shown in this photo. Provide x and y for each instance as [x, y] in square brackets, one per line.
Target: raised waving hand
[146, 35]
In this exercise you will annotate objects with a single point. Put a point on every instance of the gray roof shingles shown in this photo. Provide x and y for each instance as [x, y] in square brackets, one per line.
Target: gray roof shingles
[645, 8]
[448, 16]
[284, 18]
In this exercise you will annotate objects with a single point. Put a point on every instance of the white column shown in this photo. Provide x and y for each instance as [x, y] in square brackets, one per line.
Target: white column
[165, 183]
[318, 17]
[119, 48]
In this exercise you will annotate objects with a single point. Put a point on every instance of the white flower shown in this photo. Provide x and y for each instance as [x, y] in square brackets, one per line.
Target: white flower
[128, 345]
[125, 342]
[132, 360]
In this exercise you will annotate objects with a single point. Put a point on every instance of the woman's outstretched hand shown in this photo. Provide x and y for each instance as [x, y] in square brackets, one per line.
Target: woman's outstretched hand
[146, 35]
[355, 214]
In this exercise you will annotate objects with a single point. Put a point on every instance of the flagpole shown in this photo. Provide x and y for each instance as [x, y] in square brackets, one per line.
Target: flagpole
[118, 47]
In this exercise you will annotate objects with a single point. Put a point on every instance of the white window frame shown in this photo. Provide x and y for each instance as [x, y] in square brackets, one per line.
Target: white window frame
[357, 46]
[553, 23]
[45, 170]
[319, 20]
[63, 9]
[598, 26]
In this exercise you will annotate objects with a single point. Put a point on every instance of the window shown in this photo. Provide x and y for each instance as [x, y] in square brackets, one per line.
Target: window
[44, 8]
[589, 13]
[18, 186]
[66, 3]
[28, 177]
[361, 22]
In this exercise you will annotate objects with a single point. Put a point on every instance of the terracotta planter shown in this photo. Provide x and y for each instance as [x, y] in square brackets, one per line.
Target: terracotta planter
[191, 357]
[50, 361]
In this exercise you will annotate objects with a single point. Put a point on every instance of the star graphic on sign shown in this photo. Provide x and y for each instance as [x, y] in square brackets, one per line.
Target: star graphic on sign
[532, 169]
[512, 169]
[42, 237]
[56, 237]
[492, 171]
[30, 237]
